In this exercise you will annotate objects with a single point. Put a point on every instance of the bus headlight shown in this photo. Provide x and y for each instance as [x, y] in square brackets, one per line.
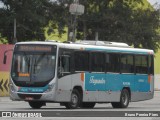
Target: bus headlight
[50, 87]
[12, 88]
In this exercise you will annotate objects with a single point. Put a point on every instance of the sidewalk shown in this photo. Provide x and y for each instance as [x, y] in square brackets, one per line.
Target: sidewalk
[5, 99]
[157, 82]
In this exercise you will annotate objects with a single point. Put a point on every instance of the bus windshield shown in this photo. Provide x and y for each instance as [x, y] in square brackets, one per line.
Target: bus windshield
[33, 68]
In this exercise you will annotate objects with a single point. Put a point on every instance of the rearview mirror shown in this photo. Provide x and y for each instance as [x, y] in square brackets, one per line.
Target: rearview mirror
[5, 56]
[4, 59]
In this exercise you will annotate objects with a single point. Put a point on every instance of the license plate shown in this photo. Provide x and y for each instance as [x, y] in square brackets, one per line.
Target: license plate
[29, 98]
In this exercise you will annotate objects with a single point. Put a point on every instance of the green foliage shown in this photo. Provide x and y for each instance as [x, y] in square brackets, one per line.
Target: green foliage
[132, 21]
[146, 24]
[31, 17]
[156, 62]
[3, 40]
[121, 21]
[53, 34]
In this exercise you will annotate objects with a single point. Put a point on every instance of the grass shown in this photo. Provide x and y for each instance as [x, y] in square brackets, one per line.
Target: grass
[157, 62]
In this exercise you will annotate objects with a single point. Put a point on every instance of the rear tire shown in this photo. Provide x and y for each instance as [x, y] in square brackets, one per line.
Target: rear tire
[124, 100]
[88, 105]
[75, 100]
[36, 105]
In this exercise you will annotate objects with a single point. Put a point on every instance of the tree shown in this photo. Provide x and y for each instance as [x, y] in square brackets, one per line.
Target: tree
[131, 21]
[121, 21]
[32, 17]
[107, 18]
[145, 31]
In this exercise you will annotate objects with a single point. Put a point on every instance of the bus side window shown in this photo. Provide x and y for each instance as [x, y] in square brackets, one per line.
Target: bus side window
[127, 65]
[97, 62]
[141, 64]
[112, 62]
[81, 61]
[64, 64]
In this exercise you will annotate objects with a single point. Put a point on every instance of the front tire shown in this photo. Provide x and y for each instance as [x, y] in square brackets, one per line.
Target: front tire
[75, 100]
[36, 105]
[124, 100]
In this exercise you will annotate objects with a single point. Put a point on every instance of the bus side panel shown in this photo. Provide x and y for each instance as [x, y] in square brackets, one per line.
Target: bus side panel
[141, 83]
[113, 82]
[94, 87]
[127, 81]
[116, 82]
[77, 81]
[101, 96]
[64, 89]
[144, 88]
[95, 81]
[97, 88]
[66, 84]
[140, 96]
[90, 94]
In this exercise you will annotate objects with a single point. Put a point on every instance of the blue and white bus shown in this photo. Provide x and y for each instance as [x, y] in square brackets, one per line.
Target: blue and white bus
[81, 75]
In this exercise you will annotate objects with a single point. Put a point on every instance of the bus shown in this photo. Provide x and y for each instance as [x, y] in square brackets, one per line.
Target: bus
[81, 74]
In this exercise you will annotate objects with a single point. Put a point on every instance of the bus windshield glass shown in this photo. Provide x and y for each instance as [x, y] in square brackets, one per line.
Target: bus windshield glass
[33, 65]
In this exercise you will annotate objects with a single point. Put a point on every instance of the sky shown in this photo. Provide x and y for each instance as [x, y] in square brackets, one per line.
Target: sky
[1, 4]
[154, 1]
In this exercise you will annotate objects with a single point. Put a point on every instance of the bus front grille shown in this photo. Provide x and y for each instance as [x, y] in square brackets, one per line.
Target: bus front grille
[27, 96]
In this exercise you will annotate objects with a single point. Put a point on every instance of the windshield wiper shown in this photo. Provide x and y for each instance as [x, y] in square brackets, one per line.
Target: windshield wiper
[40, 58]
[37, 62]
[27, 59]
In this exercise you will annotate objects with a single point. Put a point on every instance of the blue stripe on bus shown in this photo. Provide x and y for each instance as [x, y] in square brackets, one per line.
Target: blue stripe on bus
[33, 89]
[116, 82]
[116, 51]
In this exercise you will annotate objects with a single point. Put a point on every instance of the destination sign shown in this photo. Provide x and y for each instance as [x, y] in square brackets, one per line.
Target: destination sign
[35, 48]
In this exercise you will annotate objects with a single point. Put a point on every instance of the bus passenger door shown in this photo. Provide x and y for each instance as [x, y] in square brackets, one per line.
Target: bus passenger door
[64, 78]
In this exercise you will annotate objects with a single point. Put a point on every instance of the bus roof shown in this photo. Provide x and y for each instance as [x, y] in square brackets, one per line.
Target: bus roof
[92, 47]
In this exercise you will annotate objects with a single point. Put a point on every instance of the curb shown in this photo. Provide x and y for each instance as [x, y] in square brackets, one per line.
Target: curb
[5, 99]
[156, 89]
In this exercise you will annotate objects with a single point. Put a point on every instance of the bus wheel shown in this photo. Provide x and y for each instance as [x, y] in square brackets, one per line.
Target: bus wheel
[36, 105]
[88, 105]
[124, 100]
[75, 100]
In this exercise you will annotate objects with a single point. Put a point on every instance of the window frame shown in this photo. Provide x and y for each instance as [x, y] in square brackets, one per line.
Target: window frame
[133, 65]
[142, 73]
[116, 53]
[103, 64]
[86, 52]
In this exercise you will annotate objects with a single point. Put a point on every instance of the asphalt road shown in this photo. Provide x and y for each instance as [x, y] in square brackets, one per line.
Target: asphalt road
[143, 110]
